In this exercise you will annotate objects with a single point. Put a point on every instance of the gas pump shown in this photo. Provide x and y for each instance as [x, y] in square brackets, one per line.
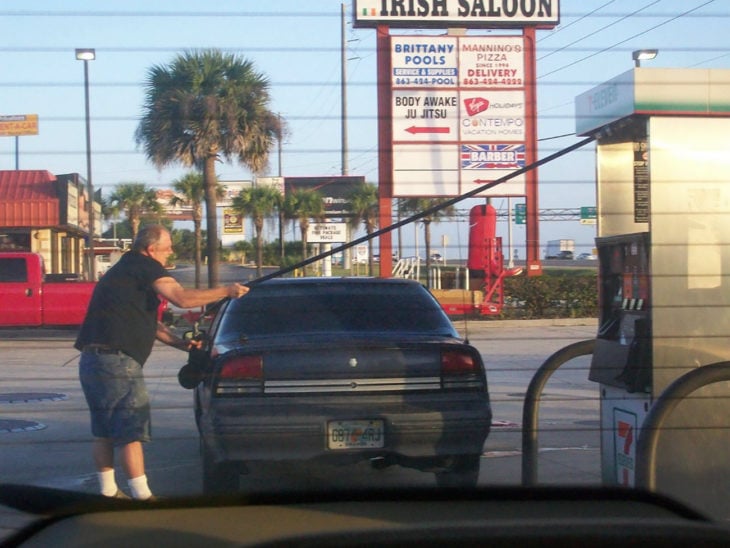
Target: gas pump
[663, 239]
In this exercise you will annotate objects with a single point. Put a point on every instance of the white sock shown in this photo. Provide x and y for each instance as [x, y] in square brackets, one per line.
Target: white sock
[107, 483]
[139, 488]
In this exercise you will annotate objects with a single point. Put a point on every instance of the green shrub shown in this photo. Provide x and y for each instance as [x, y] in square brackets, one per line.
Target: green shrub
[563, 294]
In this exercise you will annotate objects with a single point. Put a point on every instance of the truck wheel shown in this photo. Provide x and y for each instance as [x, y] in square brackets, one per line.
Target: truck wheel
[219, 477]
[464, 472]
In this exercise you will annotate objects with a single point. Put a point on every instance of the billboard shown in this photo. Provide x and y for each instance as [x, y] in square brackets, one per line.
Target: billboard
[334, 190]
[181, 211]
[459, 112]
[232, 221]
[19, 124]
[231, 189]
[178, 211]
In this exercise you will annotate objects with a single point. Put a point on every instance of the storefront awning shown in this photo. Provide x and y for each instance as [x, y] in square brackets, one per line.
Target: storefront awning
[28, 198]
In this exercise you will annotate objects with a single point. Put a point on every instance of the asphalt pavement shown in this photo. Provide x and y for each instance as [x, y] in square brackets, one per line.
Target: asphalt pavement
[48, 443]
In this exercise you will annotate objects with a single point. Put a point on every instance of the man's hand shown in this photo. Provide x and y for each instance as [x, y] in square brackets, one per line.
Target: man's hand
[236, 290]
[191, 344]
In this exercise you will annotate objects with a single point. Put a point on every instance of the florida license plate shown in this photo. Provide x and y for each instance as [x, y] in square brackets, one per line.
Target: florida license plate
[356, 434]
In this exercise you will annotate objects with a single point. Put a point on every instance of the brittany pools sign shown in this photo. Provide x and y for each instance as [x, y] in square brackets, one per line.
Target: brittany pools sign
[461, 13]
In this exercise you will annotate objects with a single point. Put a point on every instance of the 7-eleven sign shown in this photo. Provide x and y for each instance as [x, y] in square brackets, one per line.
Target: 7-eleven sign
[625, 432]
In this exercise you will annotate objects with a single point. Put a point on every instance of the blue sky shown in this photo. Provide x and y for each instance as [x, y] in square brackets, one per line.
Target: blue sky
[297, 44]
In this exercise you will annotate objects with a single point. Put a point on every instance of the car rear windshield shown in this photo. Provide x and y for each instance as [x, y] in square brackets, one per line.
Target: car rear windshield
[335, 308]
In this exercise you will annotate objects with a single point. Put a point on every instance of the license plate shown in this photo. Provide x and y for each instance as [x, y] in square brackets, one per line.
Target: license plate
[362, 434]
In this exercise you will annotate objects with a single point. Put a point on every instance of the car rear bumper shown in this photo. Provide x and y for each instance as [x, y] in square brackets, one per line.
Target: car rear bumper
[292, 429]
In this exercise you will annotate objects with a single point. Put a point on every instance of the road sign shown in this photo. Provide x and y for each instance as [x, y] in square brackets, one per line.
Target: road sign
[588, 215]
[520, 214]
[323, 233]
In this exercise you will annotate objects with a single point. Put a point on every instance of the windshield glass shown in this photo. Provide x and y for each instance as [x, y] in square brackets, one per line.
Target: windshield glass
[251, 247]
[278, 309]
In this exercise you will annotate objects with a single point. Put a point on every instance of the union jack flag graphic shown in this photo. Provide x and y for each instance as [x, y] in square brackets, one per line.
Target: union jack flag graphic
[493, 156]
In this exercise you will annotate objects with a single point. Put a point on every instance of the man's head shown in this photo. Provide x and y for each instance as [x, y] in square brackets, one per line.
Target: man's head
[154, 241]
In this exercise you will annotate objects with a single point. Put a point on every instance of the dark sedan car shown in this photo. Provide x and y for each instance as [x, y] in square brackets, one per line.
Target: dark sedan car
[339, 370]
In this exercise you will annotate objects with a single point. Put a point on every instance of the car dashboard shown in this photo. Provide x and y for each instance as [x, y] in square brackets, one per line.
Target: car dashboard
[498, 517]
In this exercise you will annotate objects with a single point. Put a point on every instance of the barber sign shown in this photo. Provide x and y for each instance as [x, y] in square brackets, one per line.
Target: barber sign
[493, 156]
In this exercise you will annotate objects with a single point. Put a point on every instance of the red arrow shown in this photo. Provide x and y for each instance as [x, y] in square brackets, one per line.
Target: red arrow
[414, 130]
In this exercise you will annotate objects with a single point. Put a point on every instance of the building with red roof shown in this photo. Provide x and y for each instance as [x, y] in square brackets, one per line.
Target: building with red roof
[47, 214]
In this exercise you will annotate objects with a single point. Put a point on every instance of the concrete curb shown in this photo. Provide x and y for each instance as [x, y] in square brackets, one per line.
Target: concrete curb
[543, 322]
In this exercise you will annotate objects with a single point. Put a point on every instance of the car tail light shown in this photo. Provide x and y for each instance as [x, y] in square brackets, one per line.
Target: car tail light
[241, 375]
[460, 369]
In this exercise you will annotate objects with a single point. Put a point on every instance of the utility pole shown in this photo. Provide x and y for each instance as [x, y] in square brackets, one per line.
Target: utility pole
[344, 168]
[343, 88]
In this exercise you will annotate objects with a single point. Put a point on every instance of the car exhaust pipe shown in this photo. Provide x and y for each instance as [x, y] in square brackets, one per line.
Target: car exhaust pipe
[382, 462]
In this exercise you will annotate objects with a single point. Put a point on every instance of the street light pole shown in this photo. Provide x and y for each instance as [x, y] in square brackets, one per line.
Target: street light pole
[86, 55]
[640, 55]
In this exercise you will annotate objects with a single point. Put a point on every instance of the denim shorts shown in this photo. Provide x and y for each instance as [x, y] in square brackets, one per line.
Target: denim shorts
[117, 397]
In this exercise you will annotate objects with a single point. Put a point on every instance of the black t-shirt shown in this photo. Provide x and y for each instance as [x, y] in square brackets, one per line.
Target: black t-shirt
[122, 313]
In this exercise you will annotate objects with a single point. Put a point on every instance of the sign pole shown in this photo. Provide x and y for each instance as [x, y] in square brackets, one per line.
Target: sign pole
[385, 157]
[532, 251]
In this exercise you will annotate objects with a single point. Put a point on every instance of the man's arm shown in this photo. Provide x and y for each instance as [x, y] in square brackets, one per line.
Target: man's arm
[167, 336]
[169, 288]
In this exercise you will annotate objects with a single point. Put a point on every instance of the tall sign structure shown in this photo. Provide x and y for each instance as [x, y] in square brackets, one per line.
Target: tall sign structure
[457, 111]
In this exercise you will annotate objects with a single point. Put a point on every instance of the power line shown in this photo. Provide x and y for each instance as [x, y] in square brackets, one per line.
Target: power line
[612, 23]
[627, 39]
[562, 27]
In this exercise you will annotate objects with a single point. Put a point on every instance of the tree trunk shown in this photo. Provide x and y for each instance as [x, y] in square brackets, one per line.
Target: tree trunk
[259, 223]
[303, 226]
[282, 250]
[371, 259]
[427, 238]
[198, 241]
[134, 222]
[211, 214]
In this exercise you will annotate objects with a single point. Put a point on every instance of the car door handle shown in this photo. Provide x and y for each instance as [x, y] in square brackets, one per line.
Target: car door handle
[28, 292]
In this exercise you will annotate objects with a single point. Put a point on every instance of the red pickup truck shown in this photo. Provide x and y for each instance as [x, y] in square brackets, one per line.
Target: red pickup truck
[29, 297]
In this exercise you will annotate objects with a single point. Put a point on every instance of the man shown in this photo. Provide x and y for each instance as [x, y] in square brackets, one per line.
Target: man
[115, 340]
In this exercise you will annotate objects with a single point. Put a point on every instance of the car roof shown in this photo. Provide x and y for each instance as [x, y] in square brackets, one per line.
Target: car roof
[338, 281]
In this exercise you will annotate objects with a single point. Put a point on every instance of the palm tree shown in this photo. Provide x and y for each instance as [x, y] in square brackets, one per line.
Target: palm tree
[303, 205]
[110, 212]
[190, 191]
[417, 205]
[258, 202]
[135, 200]
[207, 106]
[363, 203]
